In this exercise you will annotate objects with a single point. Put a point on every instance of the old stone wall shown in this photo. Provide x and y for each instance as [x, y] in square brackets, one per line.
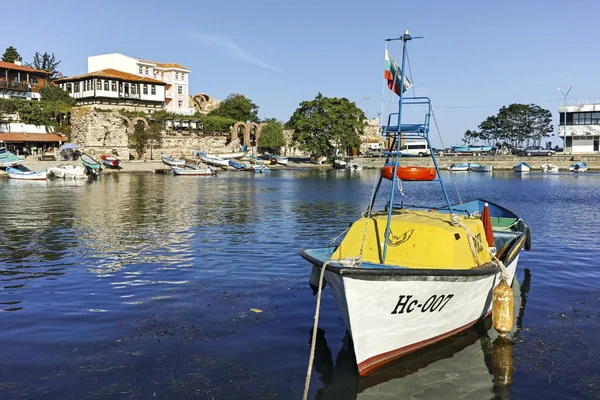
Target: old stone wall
[99, 131]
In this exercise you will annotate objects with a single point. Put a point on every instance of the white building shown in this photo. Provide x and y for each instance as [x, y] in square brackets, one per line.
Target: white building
[112, 87]
[175, 77]
[582, 127]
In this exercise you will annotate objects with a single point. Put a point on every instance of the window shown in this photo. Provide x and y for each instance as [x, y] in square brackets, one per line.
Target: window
[180, 103]
[140, 70]
[145, 89]
[98, 84]
[183, 77]
[113, 86]
[69, 88]
[176, 75]
[133, 89]
[76, 85]
[146, 70]
[179, 89]
[162, 76]
[153, 89]
[106, 85]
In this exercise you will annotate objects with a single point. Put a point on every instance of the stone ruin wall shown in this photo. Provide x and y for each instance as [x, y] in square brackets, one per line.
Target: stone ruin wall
[99, 132]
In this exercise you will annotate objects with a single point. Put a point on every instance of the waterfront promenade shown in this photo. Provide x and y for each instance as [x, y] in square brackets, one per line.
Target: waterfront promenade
[498, 162]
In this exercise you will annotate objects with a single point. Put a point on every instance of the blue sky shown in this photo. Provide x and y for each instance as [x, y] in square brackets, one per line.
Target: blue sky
[476, 55]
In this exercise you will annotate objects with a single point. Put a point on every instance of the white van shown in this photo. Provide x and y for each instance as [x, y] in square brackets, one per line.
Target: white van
[412, 149]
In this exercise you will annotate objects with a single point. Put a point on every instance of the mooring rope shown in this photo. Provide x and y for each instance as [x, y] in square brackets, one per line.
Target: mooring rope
[314, 331]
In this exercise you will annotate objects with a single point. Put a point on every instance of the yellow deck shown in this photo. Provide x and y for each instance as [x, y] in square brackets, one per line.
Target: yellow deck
[417, 239]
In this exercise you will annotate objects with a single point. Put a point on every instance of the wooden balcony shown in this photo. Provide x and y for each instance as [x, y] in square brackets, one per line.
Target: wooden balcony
[21, 87]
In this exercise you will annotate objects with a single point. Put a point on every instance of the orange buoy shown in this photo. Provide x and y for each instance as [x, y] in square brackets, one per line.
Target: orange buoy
[503, 308]
[409, 173]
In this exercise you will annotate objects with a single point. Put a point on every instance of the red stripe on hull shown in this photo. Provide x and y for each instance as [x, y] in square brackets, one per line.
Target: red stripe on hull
[370, 365]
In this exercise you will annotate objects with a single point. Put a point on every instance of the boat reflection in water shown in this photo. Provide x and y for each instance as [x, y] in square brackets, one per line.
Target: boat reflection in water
[475, 364]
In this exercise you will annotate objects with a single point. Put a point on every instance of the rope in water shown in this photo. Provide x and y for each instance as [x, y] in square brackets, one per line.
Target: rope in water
[314, 331]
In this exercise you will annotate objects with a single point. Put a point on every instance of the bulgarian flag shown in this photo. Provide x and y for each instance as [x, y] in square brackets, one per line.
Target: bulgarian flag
[392, 73]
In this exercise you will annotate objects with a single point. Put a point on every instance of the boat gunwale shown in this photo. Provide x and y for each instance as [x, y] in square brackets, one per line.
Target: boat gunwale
[490, 268]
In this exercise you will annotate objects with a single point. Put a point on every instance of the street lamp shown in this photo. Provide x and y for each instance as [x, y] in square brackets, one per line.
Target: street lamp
[565, 118]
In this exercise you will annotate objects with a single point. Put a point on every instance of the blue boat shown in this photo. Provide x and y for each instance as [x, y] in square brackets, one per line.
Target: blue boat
[459, 167]
[8, 159]
[578, 167]
[416, 274]
[24, 173]
[89, 162]
[471, 149]
[237, 165]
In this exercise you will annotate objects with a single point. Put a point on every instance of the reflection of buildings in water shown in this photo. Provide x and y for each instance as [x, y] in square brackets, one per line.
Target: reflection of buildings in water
[475, 364]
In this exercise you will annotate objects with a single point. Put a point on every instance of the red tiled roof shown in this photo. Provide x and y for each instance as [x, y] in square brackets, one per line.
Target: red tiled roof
[112, 74]
[7, 65]
[166, 65]
[32, 137]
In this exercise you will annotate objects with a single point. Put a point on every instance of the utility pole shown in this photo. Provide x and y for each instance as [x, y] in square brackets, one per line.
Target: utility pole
[565, 118]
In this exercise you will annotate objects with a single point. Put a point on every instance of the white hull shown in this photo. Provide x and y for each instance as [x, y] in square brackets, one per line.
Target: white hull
[318, 160]
[549, 168]
[217, 162]
[521, 168]
[354, 167]
[482, 168]
[8, 164]
[281, 160]
[227, 156]
[390, 318]
[29, 176]
[458, 168]
[193, 172]
[57, 172]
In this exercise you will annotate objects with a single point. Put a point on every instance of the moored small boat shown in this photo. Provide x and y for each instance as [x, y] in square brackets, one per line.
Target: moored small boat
[226, 156]
[260, 168]
[89, 162]
[578, 167]
[352, 166]
[481, 168]
[8, 159]
[339, 164]
[111, 161]
[522, 167]
[406, 276]
[237, 165]
[459, 167]
[549, 168]
[214, 161]
[192, 170]
[318, 159]
[74, 172]
[171, 161]
[281, 160]
[25, 173]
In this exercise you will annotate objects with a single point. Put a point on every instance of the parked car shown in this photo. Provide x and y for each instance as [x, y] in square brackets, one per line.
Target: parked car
[373, 152]
[537, 151]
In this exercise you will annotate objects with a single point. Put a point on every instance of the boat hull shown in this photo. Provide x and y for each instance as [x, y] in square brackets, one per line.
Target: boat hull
[459, 167]
[521, 167]
[192, 171]
[482, 168]
[27, 175]
[390, 316]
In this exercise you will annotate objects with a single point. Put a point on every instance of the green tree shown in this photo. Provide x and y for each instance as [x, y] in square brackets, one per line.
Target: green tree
[327, 125]
[55, 93]
[271, 136]
[517, 123]
[10, 55]
[45, 62]
[237, 107]
[141, 138]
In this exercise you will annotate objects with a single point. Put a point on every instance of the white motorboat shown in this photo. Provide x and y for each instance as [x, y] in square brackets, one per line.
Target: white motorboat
[549, 168]
[522, 167]
[339, 164]
[578, 167]
[352, 166]
[74, 172]
[226, 156]
[172, 161]
[459, 167]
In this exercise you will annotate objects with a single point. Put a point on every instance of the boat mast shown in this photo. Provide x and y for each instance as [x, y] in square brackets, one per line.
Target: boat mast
[404, 38]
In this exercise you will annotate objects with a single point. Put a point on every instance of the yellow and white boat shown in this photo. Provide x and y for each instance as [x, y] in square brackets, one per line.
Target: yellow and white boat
[406, 277]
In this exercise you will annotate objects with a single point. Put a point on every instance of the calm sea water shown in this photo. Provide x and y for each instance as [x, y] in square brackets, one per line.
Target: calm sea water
[149, 286]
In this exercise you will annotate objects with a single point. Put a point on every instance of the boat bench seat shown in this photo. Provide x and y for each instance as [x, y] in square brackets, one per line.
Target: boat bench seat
[406, 128]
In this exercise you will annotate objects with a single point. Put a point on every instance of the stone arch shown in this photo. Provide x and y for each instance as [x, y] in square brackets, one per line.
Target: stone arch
[254, 130]
[235, 132]
[138, 119]
[127, 120]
